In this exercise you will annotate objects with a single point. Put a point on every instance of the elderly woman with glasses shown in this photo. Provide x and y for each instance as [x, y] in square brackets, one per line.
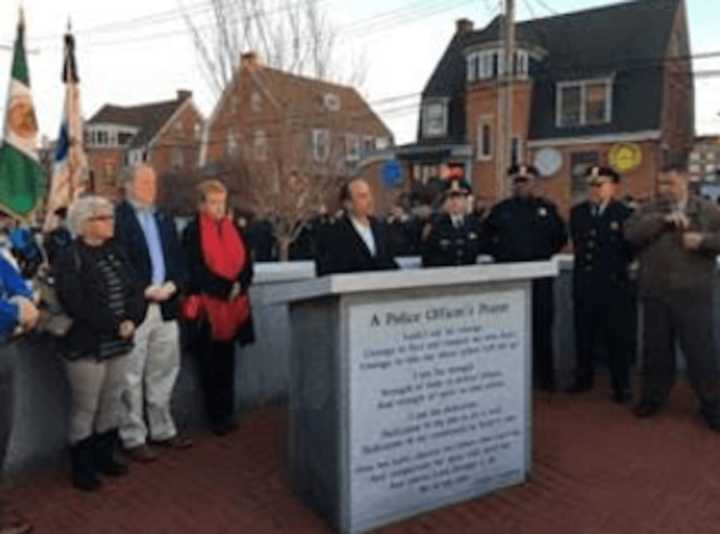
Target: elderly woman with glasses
[97, 289]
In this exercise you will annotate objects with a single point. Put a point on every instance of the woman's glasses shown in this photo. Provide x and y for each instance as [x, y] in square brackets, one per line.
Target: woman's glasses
[102, 218]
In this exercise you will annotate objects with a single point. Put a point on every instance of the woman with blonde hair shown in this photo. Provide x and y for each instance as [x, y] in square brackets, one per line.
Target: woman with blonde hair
[221, 271]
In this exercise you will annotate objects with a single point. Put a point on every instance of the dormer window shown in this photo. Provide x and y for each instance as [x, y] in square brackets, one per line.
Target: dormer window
[435, 119]
[584, 103]
[489, 64]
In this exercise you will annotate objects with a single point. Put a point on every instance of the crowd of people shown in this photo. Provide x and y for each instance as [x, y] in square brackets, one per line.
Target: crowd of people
[125, 280]
[674, 238]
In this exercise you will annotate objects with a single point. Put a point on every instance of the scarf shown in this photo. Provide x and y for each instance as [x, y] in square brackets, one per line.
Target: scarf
[225, 256]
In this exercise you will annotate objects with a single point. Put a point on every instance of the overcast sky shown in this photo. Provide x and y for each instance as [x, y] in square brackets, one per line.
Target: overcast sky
[124, 58]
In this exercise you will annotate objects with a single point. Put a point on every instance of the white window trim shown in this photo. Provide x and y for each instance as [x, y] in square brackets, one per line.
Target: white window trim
[520, 149]
[317, 134]
[352, 147]
[582, 84]
[443, 102]
[260, 145]
[485, 120]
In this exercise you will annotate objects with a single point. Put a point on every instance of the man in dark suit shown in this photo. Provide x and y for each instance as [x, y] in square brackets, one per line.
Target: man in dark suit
[149, 239]
[357, 241]
[454, 236]
[604, 303]
[527, 227]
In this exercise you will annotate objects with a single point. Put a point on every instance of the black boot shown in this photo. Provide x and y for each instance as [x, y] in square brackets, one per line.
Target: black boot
[106, 463]
[82, 456]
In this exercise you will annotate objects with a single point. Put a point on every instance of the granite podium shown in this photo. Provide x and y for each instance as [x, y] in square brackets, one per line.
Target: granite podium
[409, 390]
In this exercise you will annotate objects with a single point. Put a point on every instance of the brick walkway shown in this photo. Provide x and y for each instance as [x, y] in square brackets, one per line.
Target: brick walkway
[596, 470]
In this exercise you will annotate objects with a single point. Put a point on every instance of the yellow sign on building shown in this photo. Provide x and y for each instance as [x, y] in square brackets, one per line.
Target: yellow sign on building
[625, 157]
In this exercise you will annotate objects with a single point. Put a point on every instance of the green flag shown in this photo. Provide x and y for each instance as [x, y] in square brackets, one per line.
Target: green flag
[21, 175]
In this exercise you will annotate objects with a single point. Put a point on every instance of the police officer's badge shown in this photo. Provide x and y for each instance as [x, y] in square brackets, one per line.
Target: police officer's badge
[615, 226]
[542, 212]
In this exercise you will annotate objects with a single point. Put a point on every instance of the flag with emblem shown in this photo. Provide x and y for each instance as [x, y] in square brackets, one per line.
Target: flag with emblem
[21, 175]
[70, 166]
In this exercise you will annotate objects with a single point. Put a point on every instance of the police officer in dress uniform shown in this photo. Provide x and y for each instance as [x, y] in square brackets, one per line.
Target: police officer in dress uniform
[604, 303]
[527, 227]
[454, 236]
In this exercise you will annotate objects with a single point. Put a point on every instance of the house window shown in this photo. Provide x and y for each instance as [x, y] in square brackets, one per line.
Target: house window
[352, 147]
[197, 129]
[176, 158]
[517, 156]
[260, 146]
[231, 144]
[256, 102]
[124, 138]
[488, 64]
[368, 146]
[584, 103]
[435, 119]
[321, 144]
[382, 143]
[332, 102]
[485, 139]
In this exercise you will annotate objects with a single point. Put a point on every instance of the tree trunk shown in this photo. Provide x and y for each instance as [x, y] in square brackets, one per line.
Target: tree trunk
[284, 248]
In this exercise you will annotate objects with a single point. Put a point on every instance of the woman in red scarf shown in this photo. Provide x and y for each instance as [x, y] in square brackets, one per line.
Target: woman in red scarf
[218, 305]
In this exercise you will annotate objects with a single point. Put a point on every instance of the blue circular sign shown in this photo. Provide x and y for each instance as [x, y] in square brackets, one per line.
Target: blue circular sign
[391, 173]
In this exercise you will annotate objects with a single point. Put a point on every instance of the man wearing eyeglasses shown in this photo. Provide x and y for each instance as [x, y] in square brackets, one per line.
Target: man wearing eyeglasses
[604, 304]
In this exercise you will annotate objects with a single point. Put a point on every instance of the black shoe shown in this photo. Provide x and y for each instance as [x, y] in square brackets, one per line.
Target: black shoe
[621, 397]
[82, 457]
[106, 462]
[646, 409]
[224, 428]
[579, 387]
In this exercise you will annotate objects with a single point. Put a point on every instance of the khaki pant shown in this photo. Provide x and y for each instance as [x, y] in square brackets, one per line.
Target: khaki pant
[153, 368]
[96, 387]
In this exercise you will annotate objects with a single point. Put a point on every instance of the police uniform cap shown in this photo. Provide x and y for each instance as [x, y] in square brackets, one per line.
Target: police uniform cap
[597, 173]
[457, 186]
[523, 172]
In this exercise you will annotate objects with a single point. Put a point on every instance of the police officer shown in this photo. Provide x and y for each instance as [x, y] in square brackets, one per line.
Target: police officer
[453, 238]
[527, 227]
[604, 303]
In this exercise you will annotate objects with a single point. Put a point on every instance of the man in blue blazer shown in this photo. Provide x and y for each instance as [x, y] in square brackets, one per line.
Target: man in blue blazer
[149, 239]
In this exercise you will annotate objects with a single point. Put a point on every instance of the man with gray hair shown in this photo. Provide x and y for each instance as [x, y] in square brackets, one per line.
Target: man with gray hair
[149, 239]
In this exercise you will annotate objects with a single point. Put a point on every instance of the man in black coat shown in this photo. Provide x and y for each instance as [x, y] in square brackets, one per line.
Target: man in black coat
[527, 227]
[357, 241]
[604, 303]
[149, 239]
[454, 236]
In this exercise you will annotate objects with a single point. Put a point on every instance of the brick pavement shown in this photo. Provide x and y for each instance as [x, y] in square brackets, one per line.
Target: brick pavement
[596, 470]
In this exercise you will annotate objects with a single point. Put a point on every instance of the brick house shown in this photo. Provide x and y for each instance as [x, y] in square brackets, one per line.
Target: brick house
[276, 123]
[165, 134]
[611, 85]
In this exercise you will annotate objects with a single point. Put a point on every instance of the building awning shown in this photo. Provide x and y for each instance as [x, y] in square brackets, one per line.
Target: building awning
[440, 153]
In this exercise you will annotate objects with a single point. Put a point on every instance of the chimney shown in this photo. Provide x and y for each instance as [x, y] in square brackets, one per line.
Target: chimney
[183, 95]
[464, 26]
[249, 60]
